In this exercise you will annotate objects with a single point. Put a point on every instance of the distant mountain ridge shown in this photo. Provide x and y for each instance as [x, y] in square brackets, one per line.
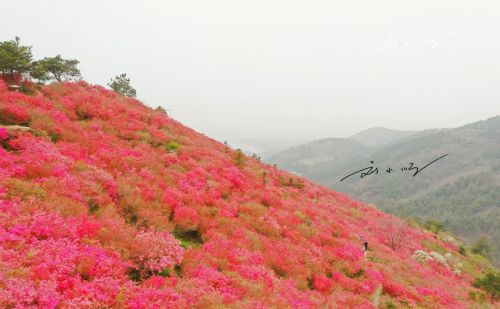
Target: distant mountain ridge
[472, 166]
[379, 136]
[336, 148]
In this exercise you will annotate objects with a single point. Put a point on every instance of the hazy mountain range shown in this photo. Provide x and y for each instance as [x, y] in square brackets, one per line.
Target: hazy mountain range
[264, 147]
[462, 189]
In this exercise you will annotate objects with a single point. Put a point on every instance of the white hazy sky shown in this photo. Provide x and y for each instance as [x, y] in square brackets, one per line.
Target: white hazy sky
[282, 69]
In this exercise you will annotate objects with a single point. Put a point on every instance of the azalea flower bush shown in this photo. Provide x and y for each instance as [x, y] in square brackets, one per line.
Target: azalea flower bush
[105, 202]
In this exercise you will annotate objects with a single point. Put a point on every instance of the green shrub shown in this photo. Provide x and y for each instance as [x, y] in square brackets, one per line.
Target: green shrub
[239, 158]
[482, 247]
[172, 146]
[490, 284]
[434, 226]
[462, 250]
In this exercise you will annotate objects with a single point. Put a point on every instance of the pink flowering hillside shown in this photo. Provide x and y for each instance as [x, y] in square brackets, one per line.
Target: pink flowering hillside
[105, 202]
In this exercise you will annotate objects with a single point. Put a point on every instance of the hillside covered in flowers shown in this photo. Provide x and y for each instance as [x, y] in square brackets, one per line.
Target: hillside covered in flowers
[105, 202]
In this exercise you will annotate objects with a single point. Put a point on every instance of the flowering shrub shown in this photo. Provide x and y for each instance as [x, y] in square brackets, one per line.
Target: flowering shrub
[13, 114]
[322, 283]
[349, 252]
[421, 256]
[3, 134]
[186, 218]
[256, 273]
[3, 86]
[234, 176]
[438, 258]
[222, 285]
[92, 192]
[158, 251]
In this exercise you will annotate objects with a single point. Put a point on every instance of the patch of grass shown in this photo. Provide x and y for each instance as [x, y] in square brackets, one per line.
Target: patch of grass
[188, 239]
[165, 273]
[134, 274]
[93, 206]
[433, 246]
[17, 187]
[178, 270]
[172, 146]
[280, 273]
[357, 274]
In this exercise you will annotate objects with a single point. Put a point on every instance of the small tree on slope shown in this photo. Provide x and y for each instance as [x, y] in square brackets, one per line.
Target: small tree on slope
[14, 58]
[121, 84]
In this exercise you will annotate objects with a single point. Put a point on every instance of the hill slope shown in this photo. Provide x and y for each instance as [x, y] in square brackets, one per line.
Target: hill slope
[462, 190]
[108, 203]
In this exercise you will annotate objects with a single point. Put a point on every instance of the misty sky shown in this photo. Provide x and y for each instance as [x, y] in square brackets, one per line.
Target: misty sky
[282, 69]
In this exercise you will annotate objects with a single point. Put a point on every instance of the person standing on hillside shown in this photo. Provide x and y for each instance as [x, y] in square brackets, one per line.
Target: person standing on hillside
[365, 244]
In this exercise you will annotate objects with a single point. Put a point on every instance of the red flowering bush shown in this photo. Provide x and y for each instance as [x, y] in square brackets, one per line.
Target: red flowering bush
[349, 252]
[3, 134]
[3, 86]
[158, 251]
[186, 218]
[13, 115]
[322, 283]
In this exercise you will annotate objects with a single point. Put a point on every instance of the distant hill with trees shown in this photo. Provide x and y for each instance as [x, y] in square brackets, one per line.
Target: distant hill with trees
[461, 190]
